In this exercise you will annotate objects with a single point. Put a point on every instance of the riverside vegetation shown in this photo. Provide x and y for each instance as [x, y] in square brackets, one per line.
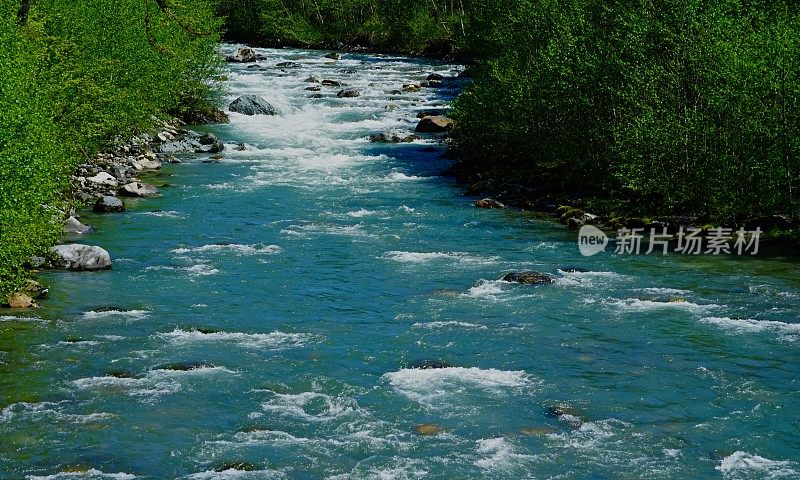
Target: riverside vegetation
[643, 108]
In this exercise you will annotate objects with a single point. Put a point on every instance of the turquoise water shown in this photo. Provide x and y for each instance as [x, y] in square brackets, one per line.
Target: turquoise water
[307, 274]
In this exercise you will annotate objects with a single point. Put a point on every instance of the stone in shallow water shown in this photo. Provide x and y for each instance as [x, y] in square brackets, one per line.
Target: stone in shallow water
[528, 278]
[430, 364]
[489, 203]
[252, 105]
[109, 204]
[73, 226]
[81, 257]
[20, 300]
[139, 189]
[348, 93]
[427, 429]
[536, 431]
[184, 366]
[243, 55]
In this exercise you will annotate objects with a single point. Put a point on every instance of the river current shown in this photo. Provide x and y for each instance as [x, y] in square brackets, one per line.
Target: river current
[267, 311]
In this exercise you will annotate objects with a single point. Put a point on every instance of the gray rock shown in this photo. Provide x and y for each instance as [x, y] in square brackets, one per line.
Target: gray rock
[193, 143]
[81, 257]
[313, 79]
[529, 278]
[392, 137]
[331, 83]
[109, 204]
[103, 178]
[288, 65]
[73, 226]
[252, 105]
[333, 56]
[348, 93]
[138, 189]
[244, 55]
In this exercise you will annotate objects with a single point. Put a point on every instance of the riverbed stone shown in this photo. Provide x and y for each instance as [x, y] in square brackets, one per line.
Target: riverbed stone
[109, 204]
[427, 429]
[21, 300]
[348, 93]
[313, 79]
[489, 203]
[252, 105]
[331, 83]
[139, 189]
[434, 124]
[243, 55]
[528, 278]
[81, 257]
[104, 179]
[73, 226]
[333, 56]
[392, 137]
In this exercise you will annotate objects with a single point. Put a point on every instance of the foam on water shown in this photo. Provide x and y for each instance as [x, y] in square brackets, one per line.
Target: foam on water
[499, 454]
[424, 257]
[230, 247]
[273, 340]
[53, 411]
[486, 289]
[311, 406]
[237, 475]
[442, 386]
[91, 474]
[747, 325]
[746, 465]
[449, 324]
[113, 313]
[639, 305]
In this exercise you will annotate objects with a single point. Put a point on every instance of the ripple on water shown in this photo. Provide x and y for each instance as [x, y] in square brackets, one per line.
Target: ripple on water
[273, 340]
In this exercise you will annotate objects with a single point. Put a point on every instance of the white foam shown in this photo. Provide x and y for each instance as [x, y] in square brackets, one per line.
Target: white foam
[311, 406]
[230, 247]
[402, 177]
[237, 474]
[48, 410]
[639, 305]
[130, 314]
[746, 325]
[499, 454]
[201, 269]
[488, 289]
[90, 474]
[362, 213]
[740, 464]
[424, 257]
[164, 214]
[586, 279]
[273, 340]
[436, 386]
[449, 324]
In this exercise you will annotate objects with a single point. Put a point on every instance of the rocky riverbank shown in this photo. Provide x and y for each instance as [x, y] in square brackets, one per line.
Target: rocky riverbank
[102, 183]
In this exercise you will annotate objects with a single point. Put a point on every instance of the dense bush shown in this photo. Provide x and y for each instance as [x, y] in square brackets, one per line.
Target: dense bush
[404, 25]
[76, 75]
[677, 105]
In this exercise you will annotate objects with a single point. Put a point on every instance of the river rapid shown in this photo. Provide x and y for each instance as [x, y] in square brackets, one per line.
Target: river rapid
[266, 312]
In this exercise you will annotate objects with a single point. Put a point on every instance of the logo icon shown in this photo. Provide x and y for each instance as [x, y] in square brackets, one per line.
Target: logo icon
[591, 240]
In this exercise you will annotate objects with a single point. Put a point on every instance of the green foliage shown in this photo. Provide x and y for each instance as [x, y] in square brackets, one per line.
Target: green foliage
[677, 105]
[74, 77]
[405, 25]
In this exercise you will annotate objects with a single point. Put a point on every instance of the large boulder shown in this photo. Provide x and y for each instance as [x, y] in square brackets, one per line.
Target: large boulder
[73, 226]
[109, 204]
[244, 55]
[139, 189]
[528, 278]
[348, 93]
[252, 105]
[81, 257]
[434, 124]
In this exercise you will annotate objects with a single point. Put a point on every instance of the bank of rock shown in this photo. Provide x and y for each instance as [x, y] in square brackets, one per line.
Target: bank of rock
[80, 257]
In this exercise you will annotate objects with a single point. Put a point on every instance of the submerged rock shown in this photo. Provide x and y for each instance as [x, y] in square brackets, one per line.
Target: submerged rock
[313, 79]
[81, 257]
[331, 83]
[536, 431]
[528, 278]
[430, 364]
[489, 203]
[434, 124]
[435, 76]
[288, 65]
[139, 189]
[109, 204]
[392, 137]
[73, 226]
[333, 56]
[184, 366]
[252, 105]
[348, 93]
[427, 429]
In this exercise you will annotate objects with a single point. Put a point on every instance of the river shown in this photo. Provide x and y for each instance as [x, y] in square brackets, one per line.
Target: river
[303, 276]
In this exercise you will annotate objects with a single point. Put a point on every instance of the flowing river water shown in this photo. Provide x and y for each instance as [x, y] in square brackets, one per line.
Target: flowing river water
[304, 276]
